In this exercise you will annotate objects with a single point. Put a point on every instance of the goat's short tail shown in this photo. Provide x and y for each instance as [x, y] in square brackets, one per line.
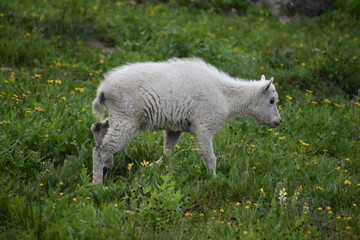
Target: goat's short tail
[97, 106]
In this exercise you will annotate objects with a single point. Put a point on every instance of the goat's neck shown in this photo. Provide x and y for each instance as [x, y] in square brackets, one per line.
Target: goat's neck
[241, 96]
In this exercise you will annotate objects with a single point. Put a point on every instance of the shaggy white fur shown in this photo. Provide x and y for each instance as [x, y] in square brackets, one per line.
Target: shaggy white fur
[176, 95]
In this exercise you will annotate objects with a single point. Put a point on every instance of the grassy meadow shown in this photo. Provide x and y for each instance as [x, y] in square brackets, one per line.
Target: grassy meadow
[298, 181]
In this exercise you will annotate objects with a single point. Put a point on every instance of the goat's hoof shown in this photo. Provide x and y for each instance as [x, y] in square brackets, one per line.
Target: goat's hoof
[97, 182]
[106, 170]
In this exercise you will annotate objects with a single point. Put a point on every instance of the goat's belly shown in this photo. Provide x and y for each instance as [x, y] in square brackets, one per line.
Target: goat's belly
[162, 122]
[165, 115]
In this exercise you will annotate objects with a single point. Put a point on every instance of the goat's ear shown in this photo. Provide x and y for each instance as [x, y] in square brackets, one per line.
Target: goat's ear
[262, 78]
[267, 85]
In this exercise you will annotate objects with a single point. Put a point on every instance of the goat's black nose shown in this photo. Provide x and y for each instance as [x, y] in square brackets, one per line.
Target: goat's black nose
[277, 123]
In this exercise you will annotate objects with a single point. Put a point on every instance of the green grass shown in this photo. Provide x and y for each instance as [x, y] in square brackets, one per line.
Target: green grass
[48, 80]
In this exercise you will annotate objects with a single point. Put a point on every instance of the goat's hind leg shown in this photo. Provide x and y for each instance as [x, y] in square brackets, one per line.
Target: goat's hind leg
[121, 130]
[170, 140]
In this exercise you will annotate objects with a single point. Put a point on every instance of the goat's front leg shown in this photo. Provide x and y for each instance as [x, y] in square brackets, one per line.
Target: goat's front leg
[99, 157]
[205, 146]
[121, 130]
[99, 130]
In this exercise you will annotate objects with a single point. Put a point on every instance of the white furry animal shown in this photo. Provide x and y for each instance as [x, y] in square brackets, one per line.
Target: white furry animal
[178, 95]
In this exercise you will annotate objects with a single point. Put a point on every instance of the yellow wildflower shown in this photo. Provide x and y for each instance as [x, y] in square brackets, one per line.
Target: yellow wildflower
[301, 45]
[39, 109]
[120, 4]
[281, 138]
[144, 163]
[61, 183]
[347, 182]
[61, 194]
[245, 233]
[130, 165]
[188, 214]
[37, 75]
[79, 89]
[303, 143]
[116, 205]
[327, 101]
[313, 102]
[303, 64]
[195, 149]
[262, 191]
[74, 199]
[41, 184]
[309, 91]
[288, 97]
[319, 188]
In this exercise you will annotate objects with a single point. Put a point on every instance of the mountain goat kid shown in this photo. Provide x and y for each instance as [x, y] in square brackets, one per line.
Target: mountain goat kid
[178, 95]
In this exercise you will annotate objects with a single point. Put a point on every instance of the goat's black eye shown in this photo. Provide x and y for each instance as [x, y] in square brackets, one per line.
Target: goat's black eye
[272, 101]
